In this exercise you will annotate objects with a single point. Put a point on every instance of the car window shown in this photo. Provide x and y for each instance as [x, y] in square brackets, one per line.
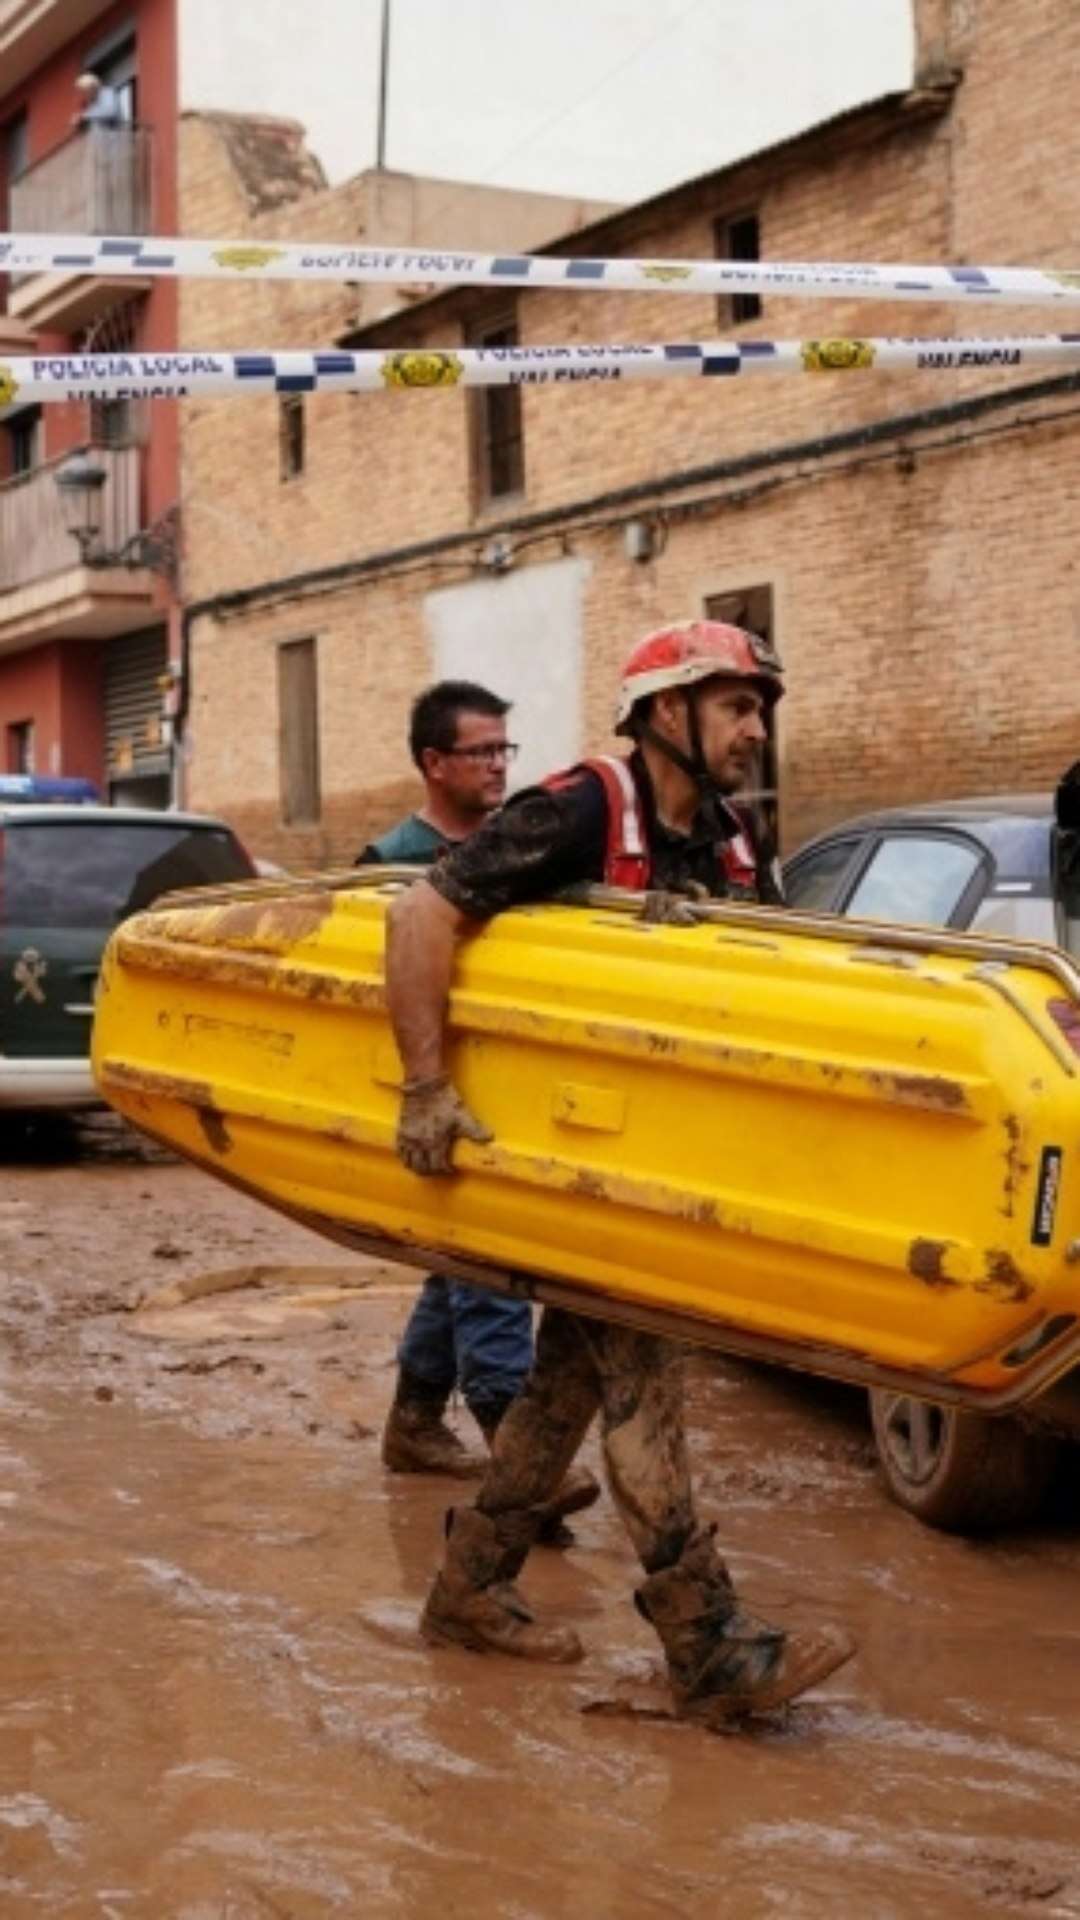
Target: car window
[1069, 877]
[67, 874]
[915, 878]
[811, 883]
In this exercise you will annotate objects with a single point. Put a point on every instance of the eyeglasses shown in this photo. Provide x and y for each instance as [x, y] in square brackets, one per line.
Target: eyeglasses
[490, 751]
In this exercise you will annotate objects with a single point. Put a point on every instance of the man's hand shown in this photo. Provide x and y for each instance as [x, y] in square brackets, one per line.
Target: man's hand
[433, 1116]
[662, 909]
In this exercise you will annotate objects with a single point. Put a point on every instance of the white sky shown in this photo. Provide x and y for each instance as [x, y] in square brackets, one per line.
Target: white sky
[608, 99]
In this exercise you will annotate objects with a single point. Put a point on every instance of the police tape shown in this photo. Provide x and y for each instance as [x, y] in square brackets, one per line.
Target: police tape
[174, 376]
[151, 256]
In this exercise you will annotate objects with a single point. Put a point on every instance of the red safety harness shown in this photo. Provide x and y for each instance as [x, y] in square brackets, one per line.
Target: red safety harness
[627, 860]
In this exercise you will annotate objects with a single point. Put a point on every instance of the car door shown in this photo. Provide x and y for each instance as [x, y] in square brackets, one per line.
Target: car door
[49, 955]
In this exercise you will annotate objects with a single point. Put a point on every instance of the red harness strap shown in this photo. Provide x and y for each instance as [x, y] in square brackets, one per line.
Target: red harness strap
[627, 862]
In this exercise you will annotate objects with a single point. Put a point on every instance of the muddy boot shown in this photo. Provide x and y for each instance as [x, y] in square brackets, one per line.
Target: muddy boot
[723, 1663]
[577, 1490]
[416, 1438]
[474, 1603]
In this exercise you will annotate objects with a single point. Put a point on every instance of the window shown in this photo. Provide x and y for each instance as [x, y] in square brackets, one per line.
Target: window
[116, 423]
[22, 434]
[497, 445]
[20, 747]
[16, 139]
[752, 608]
[738, 239]
[291, 436]
[94, 873]
[1069, 884]
[298, 733]
[812, 884]
[917, 879]
[14, 160]
[115, 62]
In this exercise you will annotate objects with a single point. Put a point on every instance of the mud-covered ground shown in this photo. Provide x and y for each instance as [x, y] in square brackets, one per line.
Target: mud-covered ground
[214, 1705]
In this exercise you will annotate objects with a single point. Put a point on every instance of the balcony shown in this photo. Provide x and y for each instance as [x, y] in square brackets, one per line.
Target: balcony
[31, 31]
[46, 592]
[98, 182]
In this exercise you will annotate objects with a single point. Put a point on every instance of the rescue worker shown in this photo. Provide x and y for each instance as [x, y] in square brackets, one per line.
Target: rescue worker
[693, 700]
[457, 1335]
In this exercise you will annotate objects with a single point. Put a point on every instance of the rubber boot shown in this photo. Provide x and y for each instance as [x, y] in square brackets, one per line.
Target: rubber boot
[474, 1602]
[416, 1438]
[722, 1663]
[577, 1489]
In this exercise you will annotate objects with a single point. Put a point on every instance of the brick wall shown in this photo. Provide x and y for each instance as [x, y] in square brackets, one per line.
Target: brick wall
[927, 600]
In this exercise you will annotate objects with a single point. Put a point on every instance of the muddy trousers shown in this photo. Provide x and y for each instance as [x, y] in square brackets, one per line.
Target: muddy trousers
[635, 1382]
[721, 1661]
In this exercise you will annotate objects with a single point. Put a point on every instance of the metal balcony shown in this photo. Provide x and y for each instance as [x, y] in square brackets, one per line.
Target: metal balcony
[46, 592]
[97, 182]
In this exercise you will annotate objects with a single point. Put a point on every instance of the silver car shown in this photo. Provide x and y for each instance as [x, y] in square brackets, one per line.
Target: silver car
[1008, 865]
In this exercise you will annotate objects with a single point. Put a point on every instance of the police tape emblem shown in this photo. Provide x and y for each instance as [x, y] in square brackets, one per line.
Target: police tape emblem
[246, 259]
[664, 274]
[419, 369]
[1046, 1197]
[9, 386]
[836, 356]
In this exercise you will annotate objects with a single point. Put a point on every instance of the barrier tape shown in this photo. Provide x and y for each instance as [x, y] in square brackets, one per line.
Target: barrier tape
[173, 376]
[244, 259]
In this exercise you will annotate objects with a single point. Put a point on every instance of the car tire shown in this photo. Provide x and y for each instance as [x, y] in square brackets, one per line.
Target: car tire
[961, 1472]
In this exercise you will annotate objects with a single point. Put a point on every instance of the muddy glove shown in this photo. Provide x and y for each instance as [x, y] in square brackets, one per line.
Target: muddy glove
[663, 909]
[433, 1116]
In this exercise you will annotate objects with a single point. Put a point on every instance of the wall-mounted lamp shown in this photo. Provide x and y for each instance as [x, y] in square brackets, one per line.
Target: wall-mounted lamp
[81, 482]
[639, 540]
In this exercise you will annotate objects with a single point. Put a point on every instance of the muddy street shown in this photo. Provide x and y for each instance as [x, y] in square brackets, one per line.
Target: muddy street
[214, 1704]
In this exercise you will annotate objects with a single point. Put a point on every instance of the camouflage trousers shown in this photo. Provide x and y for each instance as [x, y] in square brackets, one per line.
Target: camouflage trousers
[635, 1382]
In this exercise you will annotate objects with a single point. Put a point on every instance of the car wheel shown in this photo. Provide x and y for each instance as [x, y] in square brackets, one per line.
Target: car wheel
[962, 1472]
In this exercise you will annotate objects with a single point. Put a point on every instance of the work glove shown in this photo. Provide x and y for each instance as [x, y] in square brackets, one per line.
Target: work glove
[433, 1115]
[662, 909]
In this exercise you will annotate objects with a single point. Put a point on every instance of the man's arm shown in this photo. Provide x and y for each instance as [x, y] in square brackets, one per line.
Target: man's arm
[422, 934]
[537, 843]
[423, 930]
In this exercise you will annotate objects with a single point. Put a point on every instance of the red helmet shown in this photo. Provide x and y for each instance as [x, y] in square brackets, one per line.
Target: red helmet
[696, 650]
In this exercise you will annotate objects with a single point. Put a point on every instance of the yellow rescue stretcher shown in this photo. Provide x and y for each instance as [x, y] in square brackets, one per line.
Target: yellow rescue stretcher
[847, 1147]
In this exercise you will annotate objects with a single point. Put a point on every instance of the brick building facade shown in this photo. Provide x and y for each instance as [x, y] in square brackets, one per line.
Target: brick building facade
[908, 537]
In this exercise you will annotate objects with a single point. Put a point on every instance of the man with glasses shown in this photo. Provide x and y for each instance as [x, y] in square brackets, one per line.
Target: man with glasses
[457, 1335]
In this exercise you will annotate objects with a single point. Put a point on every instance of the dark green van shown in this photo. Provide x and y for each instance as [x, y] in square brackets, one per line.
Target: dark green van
[68, 876]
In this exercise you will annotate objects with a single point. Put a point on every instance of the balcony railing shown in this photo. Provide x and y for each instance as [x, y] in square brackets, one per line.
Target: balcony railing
[34, 541]
[96, 182]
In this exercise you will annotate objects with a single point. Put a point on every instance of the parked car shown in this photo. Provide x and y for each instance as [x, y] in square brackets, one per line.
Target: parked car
[1007, 865]
[68, 875]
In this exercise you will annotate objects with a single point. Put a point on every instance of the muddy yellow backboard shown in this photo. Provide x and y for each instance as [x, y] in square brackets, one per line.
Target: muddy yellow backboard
[854, 1149]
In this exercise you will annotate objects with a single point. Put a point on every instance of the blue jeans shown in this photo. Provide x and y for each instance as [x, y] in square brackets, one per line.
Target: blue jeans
[459, 1335]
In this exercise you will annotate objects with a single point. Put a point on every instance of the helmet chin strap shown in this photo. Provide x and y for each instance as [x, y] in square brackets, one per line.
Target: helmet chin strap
[712, 802]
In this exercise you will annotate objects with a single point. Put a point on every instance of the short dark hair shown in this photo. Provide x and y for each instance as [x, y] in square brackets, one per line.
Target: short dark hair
[433, 721]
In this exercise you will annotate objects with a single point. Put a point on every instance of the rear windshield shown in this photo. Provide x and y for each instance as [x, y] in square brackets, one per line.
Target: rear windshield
[73, 874]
